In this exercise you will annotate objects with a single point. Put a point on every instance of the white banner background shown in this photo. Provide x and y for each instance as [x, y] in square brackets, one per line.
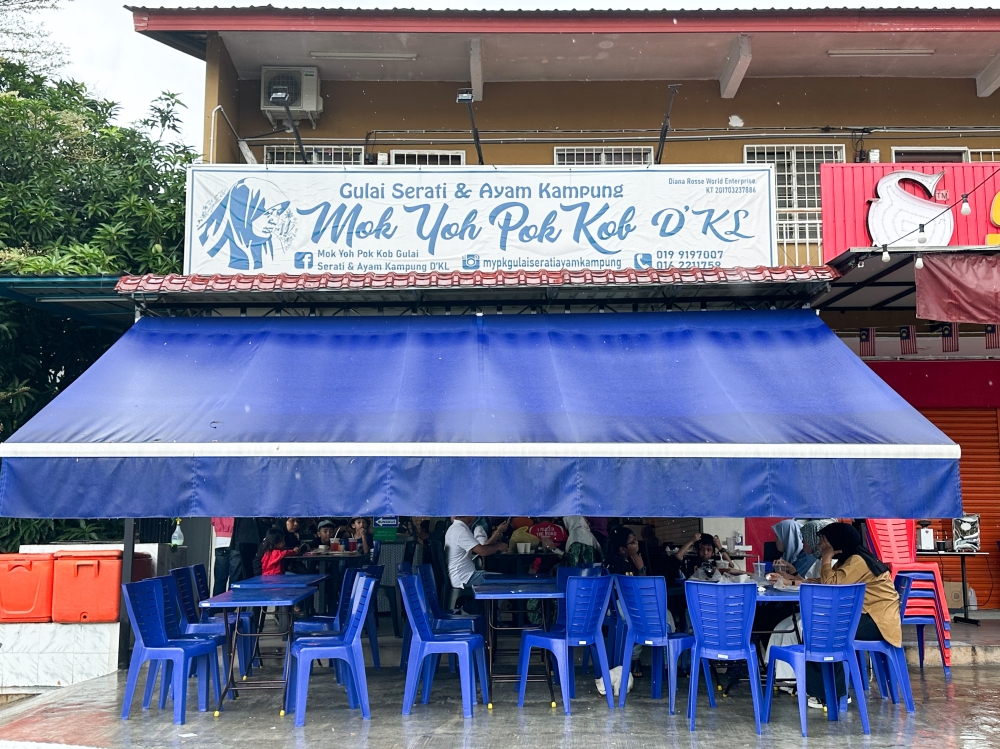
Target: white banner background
[287, 219]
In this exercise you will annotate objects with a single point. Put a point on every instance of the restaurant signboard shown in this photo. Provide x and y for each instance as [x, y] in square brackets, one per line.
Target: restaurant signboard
[380, 220]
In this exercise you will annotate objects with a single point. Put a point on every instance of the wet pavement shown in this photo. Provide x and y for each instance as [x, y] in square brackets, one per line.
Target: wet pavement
[964, 714]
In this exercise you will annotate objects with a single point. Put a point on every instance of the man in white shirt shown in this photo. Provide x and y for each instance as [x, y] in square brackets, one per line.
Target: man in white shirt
[460, 547]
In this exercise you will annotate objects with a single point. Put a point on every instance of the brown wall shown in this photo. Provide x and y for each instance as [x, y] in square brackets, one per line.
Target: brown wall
[222, 86]
[354, 108]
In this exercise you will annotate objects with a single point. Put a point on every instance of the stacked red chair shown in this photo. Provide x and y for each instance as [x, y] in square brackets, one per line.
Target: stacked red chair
[895, 543]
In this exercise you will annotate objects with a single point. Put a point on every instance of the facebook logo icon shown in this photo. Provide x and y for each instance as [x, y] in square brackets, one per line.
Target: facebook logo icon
[470, 262]
[643, 261]
[304, 260]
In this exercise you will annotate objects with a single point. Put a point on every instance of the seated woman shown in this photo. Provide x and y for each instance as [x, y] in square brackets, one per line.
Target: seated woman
[789, 630]
[582, 548]
[844, 561]
[794, 559]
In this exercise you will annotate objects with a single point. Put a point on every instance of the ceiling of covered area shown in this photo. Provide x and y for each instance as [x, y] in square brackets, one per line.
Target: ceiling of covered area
[869, 284]
[571, 56]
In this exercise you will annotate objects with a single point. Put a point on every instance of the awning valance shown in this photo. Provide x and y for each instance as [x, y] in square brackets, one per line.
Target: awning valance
[674, 414]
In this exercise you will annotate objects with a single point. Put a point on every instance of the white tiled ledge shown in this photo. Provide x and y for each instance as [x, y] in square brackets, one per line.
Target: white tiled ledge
[56, 655]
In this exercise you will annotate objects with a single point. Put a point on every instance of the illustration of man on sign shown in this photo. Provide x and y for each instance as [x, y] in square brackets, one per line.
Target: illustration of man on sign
[247, 221]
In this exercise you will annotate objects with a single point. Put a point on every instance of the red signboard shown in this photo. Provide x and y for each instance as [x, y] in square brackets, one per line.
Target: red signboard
[866, 205]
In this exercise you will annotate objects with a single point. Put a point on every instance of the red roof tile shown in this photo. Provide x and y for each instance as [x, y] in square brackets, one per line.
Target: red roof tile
[175, 283]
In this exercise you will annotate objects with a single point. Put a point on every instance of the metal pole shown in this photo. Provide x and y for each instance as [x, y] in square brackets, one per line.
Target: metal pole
[665, 127]
[298, 138]
[475, 134]
[124, 628]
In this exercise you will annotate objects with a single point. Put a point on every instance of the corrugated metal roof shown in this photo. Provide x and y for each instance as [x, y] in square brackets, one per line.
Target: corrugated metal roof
[575, 6]
[174, 283]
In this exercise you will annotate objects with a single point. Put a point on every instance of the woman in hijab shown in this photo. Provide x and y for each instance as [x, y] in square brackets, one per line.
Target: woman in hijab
[845, 561]
[788, 535]
[581, 545]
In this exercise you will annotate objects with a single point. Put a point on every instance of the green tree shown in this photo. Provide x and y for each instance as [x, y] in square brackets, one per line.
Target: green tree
[79, 195]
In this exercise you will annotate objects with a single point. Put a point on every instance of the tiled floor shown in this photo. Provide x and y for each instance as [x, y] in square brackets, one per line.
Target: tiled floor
[964, 714]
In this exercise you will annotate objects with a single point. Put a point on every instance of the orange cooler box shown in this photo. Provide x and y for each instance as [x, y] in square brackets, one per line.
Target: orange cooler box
[86, 586]
[25, 587]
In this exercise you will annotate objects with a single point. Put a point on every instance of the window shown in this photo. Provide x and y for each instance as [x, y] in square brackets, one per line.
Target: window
[929, 155]
[321, 155]
[426, 158]
[796, 175]
[607, 156]
[984, 155]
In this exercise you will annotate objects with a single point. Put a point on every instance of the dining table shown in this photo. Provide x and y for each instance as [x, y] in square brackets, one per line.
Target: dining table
[281, 581]
[258, 599]
[330, 564]
[514, 588]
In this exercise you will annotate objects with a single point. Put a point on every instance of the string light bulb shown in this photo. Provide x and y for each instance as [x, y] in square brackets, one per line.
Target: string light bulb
[885, 254]
[921, 235]
[918, 263]
[966, 209]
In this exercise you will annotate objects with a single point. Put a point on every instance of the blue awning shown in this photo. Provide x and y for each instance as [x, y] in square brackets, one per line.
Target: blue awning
[677, 414]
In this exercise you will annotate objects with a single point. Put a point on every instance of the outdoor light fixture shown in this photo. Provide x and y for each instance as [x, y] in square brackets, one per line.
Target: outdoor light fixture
[918, 263]
[912, 52]
[921, 235]
[966, 208]
[465, 96]
[384, 56]
[665, 127]
[885, 254]
[280, 97]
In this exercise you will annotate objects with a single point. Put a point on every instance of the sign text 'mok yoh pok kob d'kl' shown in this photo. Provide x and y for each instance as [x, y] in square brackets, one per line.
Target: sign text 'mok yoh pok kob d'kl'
[313, 219]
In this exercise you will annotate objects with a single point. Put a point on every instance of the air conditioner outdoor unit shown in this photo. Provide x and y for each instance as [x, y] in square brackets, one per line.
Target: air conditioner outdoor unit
[301, 85]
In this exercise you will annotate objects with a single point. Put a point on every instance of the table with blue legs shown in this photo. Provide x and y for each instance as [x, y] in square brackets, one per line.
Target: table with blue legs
[543, 589]
[257, 598]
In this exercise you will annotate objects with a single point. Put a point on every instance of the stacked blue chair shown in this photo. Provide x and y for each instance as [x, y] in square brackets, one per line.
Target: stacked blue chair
[932, 614]
[343, 647]
[324, 624]
[721, 616]
[195, 624]
[586, 603]
[441, 621]
[177, 629]
[426, 645]
[147, 611]
[644, 609]
[888, 661]
[830, 616]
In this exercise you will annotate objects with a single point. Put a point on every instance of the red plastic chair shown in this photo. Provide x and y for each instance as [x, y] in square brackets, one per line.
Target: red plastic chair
[895, 543]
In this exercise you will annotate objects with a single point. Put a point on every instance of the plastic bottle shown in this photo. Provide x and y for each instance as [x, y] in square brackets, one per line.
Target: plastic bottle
[177, 538]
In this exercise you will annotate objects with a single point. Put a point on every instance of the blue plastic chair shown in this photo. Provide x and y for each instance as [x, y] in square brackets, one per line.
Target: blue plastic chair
[889, 662]
[830, 616]
[922, 621]
[586, 603]
[324, 624]
[194, 623]
[426, 645]
[721, 616]
[441, 621]
[177, 629]
[644, 609]
[344, 647]
[146, 611]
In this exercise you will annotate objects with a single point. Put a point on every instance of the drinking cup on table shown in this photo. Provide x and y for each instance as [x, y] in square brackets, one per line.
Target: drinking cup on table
[353, 544]
[335, 546]
[758, 570]
[524, 548]
[322, 548]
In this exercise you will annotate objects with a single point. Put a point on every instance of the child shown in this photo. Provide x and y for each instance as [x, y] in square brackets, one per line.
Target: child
[273, 552]
[707, 565]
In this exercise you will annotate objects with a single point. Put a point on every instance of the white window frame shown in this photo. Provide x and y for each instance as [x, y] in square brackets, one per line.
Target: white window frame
[800, 224]
[931, 149]
[357, 154]
[424, 152]
[607, 154]
[977, 154]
